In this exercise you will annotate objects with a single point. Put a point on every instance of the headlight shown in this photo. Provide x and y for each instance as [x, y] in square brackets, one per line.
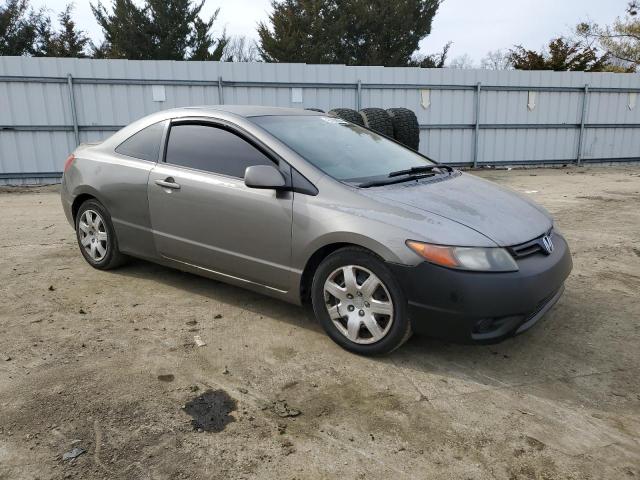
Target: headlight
[466, 258]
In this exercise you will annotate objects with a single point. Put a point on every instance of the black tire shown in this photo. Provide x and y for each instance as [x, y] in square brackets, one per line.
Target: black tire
[112, 258]
[406, 129]
[315, 110]
[378, 120]
[347, 114]
[400, 329]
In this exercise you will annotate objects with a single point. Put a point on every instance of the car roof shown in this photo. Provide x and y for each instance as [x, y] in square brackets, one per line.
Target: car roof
[239, 113]
[252, 110]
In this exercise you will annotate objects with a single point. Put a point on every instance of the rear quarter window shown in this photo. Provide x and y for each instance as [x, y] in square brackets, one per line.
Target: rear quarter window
[145, 144]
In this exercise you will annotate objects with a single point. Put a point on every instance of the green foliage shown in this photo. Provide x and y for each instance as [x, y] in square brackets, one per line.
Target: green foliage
[203, 40]
[352, 32]
[157, 30]
[435, 60]
[68, 42]
[24, 31]
[562, 55]
[21, 28]
[127, 31]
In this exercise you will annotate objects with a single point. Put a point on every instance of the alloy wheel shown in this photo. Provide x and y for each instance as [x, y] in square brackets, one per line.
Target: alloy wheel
[93, 235]
[358, 304]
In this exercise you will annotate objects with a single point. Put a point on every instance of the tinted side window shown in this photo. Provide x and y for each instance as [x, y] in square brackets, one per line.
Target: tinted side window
[212, 149]
[145, 144]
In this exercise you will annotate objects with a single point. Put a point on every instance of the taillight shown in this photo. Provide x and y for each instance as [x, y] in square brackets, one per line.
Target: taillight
[68, 162]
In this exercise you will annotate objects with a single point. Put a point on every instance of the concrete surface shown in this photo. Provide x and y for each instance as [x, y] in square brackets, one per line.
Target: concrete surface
[105, 362]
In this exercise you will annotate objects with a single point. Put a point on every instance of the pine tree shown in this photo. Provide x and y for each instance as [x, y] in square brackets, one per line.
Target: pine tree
[203, 44]
[435, 60]
[157, 30]
[127, 31]
[68, 42]
[21, 28]
[352, 32]
[173, 26]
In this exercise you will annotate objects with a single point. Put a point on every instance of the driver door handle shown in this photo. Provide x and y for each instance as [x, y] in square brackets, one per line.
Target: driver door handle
[168, 182]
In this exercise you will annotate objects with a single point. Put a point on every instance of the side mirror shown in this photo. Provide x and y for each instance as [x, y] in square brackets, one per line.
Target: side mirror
[264, 176]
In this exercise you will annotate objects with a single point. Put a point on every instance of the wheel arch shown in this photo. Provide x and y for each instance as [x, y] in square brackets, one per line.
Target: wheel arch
[323, 251]
[81, 195]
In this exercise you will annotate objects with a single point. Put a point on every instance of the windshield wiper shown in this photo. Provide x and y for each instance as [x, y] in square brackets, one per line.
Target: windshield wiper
[413, 173]
[392, 180]
[421, 169]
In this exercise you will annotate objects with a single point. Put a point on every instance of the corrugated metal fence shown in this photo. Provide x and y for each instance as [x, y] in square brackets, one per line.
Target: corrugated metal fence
[467, 117]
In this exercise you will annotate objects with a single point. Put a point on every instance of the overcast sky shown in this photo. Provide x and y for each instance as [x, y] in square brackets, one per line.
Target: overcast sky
[474, 27]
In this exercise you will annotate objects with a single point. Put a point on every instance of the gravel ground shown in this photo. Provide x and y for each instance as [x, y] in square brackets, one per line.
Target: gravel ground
[106, 363]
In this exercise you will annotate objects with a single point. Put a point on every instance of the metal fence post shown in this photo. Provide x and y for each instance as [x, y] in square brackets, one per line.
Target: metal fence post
[477, 126]
[583, 119]
[72, 105]
[358, 95]
[220, 92]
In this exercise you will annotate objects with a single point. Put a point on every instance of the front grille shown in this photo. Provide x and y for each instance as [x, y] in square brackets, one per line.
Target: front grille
[529, 248]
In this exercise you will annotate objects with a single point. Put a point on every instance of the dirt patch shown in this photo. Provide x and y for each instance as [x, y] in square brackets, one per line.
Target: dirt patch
[103, 362]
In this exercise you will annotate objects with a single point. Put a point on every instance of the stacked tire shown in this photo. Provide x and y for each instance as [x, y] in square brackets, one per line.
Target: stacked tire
[347, 114]
[378, 120]
[406, 129]
[401, 124]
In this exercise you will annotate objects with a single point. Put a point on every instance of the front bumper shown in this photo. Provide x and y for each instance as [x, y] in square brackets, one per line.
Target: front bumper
[479, 307]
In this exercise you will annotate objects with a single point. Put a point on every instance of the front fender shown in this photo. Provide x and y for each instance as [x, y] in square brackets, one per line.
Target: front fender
[334, 238]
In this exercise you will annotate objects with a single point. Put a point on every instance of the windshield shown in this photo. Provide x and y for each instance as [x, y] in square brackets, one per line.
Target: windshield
[341, 149]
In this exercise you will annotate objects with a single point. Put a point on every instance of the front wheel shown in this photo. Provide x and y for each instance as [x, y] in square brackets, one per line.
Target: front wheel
[359, 302]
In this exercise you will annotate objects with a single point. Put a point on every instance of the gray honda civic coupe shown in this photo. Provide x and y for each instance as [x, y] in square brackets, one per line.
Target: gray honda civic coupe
[311, 209]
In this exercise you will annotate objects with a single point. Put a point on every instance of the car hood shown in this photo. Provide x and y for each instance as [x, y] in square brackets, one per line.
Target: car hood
[504, 216]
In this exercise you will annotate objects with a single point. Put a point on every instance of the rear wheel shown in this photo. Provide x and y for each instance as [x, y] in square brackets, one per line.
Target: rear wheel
[96, 236]
[359, 302]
